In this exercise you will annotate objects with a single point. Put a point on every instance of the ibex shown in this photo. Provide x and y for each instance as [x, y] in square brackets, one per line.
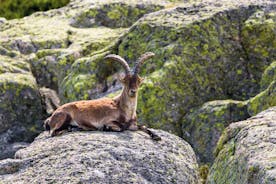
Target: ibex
[107, 114]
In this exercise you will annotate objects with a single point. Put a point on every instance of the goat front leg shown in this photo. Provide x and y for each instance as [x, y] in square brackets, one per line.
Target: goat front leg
[134, 127]
[152, 135]
[143, 128]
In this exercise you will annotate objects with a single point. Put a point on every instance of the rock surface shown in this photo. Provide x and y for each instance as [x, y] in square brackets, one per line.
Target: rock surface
[246, 151]
[205, 51]
[101, 157]
[37, 51]
[264, 100]
[205, 55]
[203, 126]
[20, 105]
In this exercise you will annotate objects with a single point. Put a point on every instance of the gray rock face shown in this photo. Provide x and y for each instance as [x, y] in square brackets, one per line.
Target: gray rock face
[202, 127]
[20, 106]
[50, 100]
[247, 151]
[103, 157]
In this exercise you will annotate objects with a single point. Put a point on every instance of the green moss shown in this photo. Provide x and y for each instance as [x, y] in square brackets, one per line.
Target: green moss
[268, 76]
[200, 61]
[228, 171]
[114, 15]
[19, 88]
[203, 126]
[259, 40]
[203, 172]
[117, 12]
[264, 100]
[84, 79]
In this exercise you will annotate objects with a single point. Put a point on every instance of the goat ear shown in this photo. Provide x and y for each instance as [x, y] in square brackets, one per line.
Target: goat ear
[141, 80]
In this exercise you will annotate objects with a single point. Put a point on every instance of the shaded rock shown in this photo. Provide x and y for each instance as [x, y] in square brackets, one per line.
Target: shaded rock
[8, 149]
[50, 100]
[90, 78]
[257, 43]
[103, 157]
[20, 107]
[6, 52]
[18, 89]
[203, 126]
[20, 100]
[246, 151]
[9, 166]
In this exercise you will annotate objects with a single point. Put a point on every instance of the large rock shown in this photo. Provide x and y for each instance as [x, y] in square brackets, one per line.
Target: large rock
[20, 107]
[57, 38]
[246, 151]
[263, 100]
[38, 51]
[203, 126]
[101, 157]
[114, 14]
[269, 76]
[202, 54]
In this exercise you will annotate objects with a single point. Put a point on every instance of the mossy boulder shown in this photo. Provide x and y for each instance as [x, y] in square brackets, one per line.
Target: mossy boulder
[103, 157]
[200, 57]
[51, 44]
[13, 65]
[264, 100]
[20, 110]
[258, 39]
[25, 37]
[81, 83]
[246, 151]
[268, 76]
[198, 60]
[203, 126]
[20, 107]
[114, 14]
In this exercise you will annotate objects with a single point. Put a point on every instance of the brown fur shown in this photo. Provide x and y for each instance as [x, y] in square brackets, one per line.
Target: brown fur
[117, 114]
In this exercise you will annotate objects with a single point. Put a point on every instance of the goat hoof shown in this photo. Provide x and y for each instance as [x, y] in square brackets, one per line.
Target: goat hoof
[156, 138]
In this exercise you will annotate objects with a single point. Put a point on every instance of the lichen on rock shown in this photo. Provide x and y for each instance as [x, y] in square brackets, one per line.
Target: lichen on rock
[203, 126]
[103, 157]
[20, 110]
[264, 100]
[114, 14]
[268, 76]
[202, 57]
[246, 151]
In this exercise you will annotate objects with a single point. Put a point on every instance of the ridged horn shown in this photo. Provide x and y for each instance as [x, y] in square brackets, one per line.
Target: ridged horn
[121, 60]
[141, 60]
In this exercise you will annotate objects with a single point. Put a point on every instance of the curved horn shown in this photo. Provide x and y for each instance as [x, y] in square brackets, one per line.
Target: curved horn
[120, 60]
[141, 60]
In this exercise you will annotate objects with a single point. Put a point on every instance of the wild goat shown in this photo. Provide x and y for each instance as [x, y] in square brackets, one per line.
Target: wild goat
[107, 114]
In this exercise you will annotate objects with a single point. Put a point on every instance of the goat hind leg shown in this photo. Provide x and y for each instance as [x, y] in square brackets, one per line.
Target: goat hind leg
[152, 134]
